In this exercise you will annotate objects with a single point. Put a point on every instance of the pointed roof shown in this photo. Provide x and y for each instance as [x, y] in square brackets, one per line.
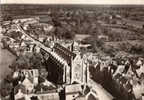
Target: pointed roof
[27, 80]
[20, 86]
[92, 97]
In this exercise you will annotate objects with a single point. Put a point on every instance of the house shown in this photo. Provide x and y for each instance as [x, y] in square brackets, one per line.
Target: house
[30, 78]
[73, 91]
[48, 95]
[28, 83]
[19, 91]
[29, 89]
[31, 74]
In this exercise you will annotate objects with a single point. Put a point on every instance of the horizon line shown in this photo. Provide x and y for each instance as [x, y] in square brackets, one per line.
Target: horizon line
[70, 4]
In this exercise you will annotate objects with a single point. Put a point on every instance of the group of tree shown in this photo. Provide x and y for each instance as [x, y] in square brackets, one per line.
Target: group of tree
[137, 48]
[28, 61]
[6, 88]
[69, 23]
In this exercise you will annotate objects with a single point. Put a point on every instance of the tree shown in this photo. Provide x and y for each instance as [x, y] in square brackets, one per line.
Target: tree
[28, 61]
[9, 78]
[36, 60]
[21, 63]
[43, 73]
[7, 18]
[14, 35]
[6, 89]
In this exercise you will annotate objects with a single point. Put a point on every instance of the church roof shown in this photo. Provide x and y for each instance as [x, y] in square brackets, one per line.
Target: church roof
[64, 52]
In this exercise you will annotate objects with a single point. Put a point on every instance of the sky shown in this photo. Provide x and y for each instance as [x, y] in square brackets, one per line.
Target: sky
[72, 1]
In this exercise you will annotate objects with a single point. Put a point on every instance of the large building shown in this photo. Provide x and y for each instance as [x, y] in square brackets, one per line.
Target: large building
[65, 66]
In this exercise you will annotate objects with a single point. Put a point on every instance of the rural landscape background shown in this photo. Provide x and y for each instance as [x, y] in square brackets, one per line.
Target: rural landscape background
[114, 31]
[122, 34]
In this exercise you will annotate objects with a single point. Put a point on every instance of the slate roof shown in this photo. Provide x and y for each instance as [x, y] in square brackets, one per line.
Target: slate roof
[64, 52]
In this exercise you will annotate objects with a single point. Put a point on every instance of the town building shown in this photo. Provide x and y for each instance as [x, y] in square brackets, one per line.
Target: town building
[30, 88]
[21, 94]
[73, 91]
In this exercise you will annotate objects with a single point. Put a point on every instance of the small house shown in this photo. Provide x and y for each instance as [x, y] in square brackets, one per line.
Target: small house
[73, 91]
[19, 92]
[28, 83]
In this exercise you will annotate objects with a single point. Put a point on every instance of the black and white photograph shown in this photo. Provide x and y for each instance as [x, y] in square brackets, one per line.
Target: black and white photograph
[71, 50]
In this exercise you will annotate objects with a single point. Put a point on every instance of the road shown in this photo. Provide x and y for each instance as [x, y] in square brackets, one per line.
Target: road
[39, 44]
[6, 58]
